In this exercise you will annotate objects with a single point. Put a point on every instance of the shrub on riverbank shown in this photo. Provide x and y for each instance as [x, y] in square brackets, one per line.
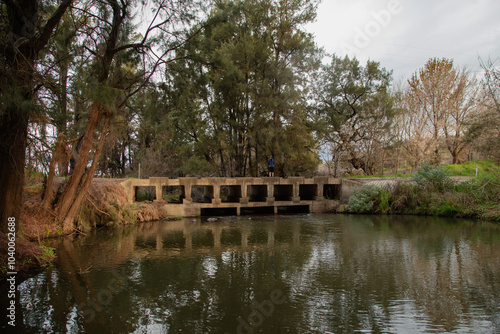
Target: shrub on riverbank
[432, 193]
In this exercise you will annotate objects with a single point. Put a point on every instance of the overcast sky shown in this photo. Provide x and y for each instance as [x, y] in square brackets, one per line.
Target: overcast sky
[403, 34]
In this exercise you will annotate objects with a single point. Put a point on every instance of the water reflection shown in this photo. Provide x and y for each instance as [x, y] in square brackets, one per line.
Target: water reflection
[289, 274]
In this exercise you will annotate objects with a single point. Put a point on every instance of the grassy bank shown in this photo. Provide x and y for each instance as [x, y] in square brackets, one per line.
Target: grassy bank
[433, 192]
[483, 167]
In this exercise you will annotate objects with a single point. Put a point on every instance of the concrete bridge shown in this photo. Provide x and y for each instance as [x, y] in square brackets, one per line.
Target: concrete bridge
[191, 197]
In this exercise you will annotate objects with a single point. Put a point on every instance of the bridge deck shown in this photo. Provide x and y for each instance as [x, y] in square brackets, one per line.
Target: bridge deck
[189, 197]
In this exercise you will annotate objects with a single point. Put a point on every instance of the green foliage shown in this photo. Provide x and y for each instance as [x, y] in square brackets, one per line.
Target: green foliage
[349, 96]
[171, 198]
[363, 200]
[128, 215]
[485, 189]
[433, 177]
[48, 254]
[197, 166]
[477, 198]
[380, 176]
[383, 197]
[368, 199]
[238, 94]
[114, 215]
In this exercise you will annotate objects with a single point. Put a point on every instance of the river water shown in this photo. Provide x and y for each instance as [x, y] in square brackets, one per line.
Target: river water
[272, 274]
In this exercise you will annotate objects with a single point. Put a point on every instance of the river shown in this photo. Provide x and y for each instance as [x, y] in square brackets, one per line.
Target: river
[310, 273]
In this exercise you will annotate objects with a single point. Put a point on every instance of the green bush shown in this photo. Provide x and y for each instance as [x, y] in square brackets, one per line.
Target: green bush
[433, 194]
[433, 177]
[482, 189]
[364, 199]
[384, 198]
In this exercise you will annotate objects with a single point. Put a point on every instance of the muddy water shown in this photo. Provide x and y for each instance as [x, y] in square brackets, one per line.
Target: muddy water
[272, 274]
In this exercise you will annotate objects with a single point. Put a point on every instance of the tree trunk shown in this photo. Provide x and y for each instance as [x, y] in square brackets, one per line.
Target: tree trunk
[13, 140]
[21, 45]
[63, 165]
[75, 181]
[59, 156]
[86, 179]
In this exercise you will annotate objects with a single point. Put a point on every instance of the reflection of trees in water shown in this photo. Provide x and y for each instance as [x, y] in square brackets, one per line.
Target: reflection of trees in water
[366, 276]
[355, 273]
[68, 288]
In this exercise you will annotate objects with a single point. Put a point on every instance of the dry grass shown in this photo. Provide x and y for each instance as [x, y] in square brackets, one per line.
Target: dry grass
[106, 202]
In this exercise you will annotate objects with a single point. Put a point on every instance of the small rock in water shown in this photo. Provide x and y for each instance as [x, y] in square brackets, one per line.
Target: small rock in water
[211, 219]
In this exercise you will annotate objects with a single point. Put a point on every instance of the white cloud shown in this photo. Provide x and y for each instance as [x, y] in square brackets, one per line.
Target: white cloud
[458, 29]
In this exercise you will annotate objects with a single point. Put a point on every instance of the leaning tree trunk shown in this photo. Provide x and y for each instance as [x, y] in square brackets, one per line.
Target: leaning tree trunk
[68, 222]
[79, 181]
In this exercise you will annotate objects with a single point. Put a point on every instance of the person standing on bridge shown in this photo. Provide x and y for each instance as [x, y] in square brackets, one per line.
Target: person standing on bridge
[270, 166]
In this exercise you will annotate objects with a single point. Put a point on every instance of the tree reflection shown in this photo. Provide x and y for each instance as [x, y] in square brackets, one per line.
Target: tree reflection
[338, 273]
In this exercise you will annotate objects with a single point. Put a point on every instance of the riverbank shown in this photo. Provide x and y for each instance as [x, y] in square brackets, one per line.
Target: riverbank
[105, 205]
[430, 192]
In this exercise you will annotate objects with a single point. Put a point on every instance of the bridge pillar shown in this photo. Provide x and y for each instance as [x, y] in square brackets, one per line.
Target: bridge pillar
[216, 199]
[159, 195]
[188, 182]
[244, 193]
[157, 183]
[187, 191]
